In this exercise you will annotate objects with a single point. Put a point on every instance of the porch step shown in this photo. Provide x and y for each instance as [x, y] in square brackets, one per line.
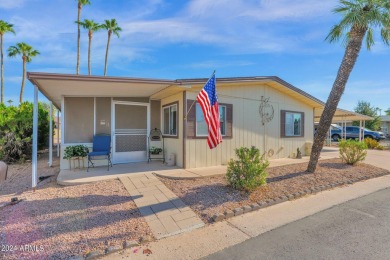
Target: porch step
[165, 213]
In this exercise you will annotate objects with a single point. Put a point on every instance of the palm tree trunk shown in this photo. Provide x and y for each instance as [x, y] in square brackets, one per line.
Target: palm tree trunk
[89, 52]
[108, 46]
[2, 68]
[78, 39]
[351, 54]
[23, 79]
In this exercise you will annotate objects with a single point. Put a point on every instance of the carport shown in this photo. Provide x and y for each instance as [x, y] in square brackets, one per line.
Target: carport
[342, 117]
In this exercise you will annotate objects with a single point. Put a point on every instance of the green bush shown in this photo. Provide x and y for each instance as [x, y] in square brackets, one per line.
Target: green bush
[248, 172]
[16, 129]
[371, 143]
[352, 151]
[75, 151]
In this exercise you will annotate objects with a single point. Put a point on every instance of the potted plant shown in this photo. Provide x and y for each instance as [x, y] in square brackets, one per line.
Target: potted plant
[155, 150]
[75, 152]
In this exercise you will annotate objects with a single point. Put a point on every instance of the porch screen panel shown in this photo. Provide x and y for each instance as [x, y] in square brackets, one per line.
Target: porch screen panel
[103, 115]
[78, 119]
[130, 128]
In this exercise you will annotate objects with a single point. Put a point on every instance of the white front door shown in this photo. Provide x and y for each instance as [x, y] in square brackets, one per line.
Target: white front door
[130, 131]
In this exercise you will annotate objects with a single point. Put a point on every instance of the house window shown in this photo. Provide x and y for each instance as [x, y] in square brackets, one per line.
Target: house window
[201, 126]
[170, 120]
[293, 124]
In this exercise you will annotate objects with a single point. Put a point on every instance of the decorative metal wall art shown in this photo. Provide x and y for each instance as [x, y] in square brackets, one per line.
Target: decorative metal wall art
[266, 111]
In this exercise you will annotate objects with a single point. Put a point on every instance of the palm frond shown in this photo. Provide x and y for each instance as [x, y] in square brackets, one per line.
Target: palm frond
[370, 38]
[385, 33]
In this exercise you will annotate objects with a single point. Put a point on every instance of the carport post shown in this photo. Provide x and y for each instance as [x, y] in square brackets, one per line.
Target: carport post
[35, 140]
[51, 135]
[360, 130]
[58, 133]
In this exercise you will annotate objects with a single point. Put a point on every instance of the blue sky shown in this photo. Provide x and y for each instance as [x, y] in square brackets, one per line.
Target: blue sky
[187, 39]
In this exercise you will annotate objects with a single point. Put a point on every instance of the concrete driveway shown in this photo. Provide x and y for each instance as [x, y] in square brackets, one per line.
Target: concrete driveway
[378, 158]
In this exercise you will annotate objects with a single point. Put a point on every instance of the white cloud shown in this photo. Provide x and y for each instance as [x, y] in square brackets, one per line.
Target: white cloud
[10, 4]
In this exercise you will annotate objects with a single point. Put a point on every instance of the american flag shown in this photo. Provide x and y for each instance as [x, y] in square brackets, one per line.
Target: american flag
[208, 101]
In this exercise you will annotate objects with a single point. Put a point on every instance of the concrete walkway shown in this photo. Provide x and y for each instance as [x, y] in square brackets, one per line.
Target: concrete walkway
[164, 212]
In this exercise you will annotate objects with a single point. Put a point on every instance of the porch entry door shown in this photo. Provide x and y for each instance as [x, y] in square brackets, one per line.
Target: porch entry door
[131, 128]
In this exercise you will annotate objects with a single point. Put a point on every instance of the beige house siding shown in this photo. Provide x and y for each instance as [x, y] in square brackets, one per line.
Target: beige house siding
[247, 127]
[174, 145]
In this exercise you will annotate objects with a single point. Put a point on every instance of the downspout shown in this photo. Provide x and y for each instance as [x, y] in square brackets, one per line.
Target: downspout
[184, 129]
[35, 141]
[51, 135]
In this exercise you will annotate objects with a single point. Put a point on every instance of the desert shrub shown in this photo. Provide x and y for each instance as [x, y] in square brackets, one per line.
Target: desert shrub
[14, 148]
[248, 172]
[16, 129]
[352, 151]
[371, 143]
[380, 147]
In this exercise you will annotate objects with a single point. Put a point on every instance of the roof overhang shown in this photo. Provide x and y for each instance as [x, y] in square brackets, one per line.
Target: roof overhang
[55, 86]
[342, 115]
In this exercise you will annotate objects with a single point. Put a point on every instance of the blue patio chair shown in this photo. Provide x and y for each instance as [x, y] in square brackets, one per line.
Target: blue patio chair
[101, 149]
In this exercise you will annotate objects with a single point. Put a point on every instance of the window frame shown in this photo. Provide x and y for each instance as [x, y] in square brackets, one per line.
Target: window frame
[196, 121]
[163, 107]
[283, 124]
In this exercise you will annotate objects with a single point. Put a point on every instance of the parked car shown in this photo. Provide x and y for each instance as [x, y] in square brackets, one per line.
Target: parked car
[352, 132]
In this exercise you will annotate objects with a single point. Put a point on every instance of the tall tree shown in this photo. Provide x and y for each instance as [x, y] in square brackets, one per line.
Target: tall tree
[360, 18]
[80, 4]
[387, 112]
[27, 52]
[92, 27]
[112, 28]
[4, 28]
[365, 108]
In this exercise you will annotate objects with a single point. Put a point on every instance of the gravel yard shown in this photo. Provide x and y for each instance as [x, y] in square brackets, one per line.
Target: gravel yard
[59, 222]
[211, 196]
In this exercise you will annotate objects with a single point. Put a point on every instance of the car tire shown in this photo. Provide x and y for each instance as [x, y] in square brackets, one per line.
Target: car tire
[336, 137]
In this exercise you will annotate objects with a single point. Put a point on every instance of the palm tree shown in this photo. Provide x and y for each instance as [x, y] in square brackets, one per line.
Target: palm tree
[80, 4]
[111, 27]
[360, 17]
[27, 52]
[92, 27]
[4, 28]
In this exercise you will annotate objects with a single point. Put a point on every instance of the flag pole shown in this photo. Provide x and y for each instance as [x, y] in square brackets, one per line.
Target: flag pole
[185, 117]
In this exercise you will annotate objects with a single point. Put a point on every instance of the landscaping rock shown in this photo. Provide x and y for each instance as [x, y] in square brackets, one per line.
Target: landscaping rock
[76, 257]
[262, 204]
[238, 211]
[3, 171]
[218, 217]
[92, 255]
[145, 239]
[228, 214]
[112, 249]
[247, 209]
[290, 196]
[130, 243]
[255, 206]
[283, 199]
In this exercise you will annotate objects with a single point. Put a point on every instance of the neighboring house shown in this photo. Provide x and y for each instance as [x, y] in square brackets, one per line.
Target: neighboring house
[265, 112]
[385, 124]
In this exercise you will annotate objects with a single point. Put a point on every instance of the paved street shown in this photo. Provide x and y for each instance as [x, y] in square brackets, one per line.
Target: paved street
[358, 229]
